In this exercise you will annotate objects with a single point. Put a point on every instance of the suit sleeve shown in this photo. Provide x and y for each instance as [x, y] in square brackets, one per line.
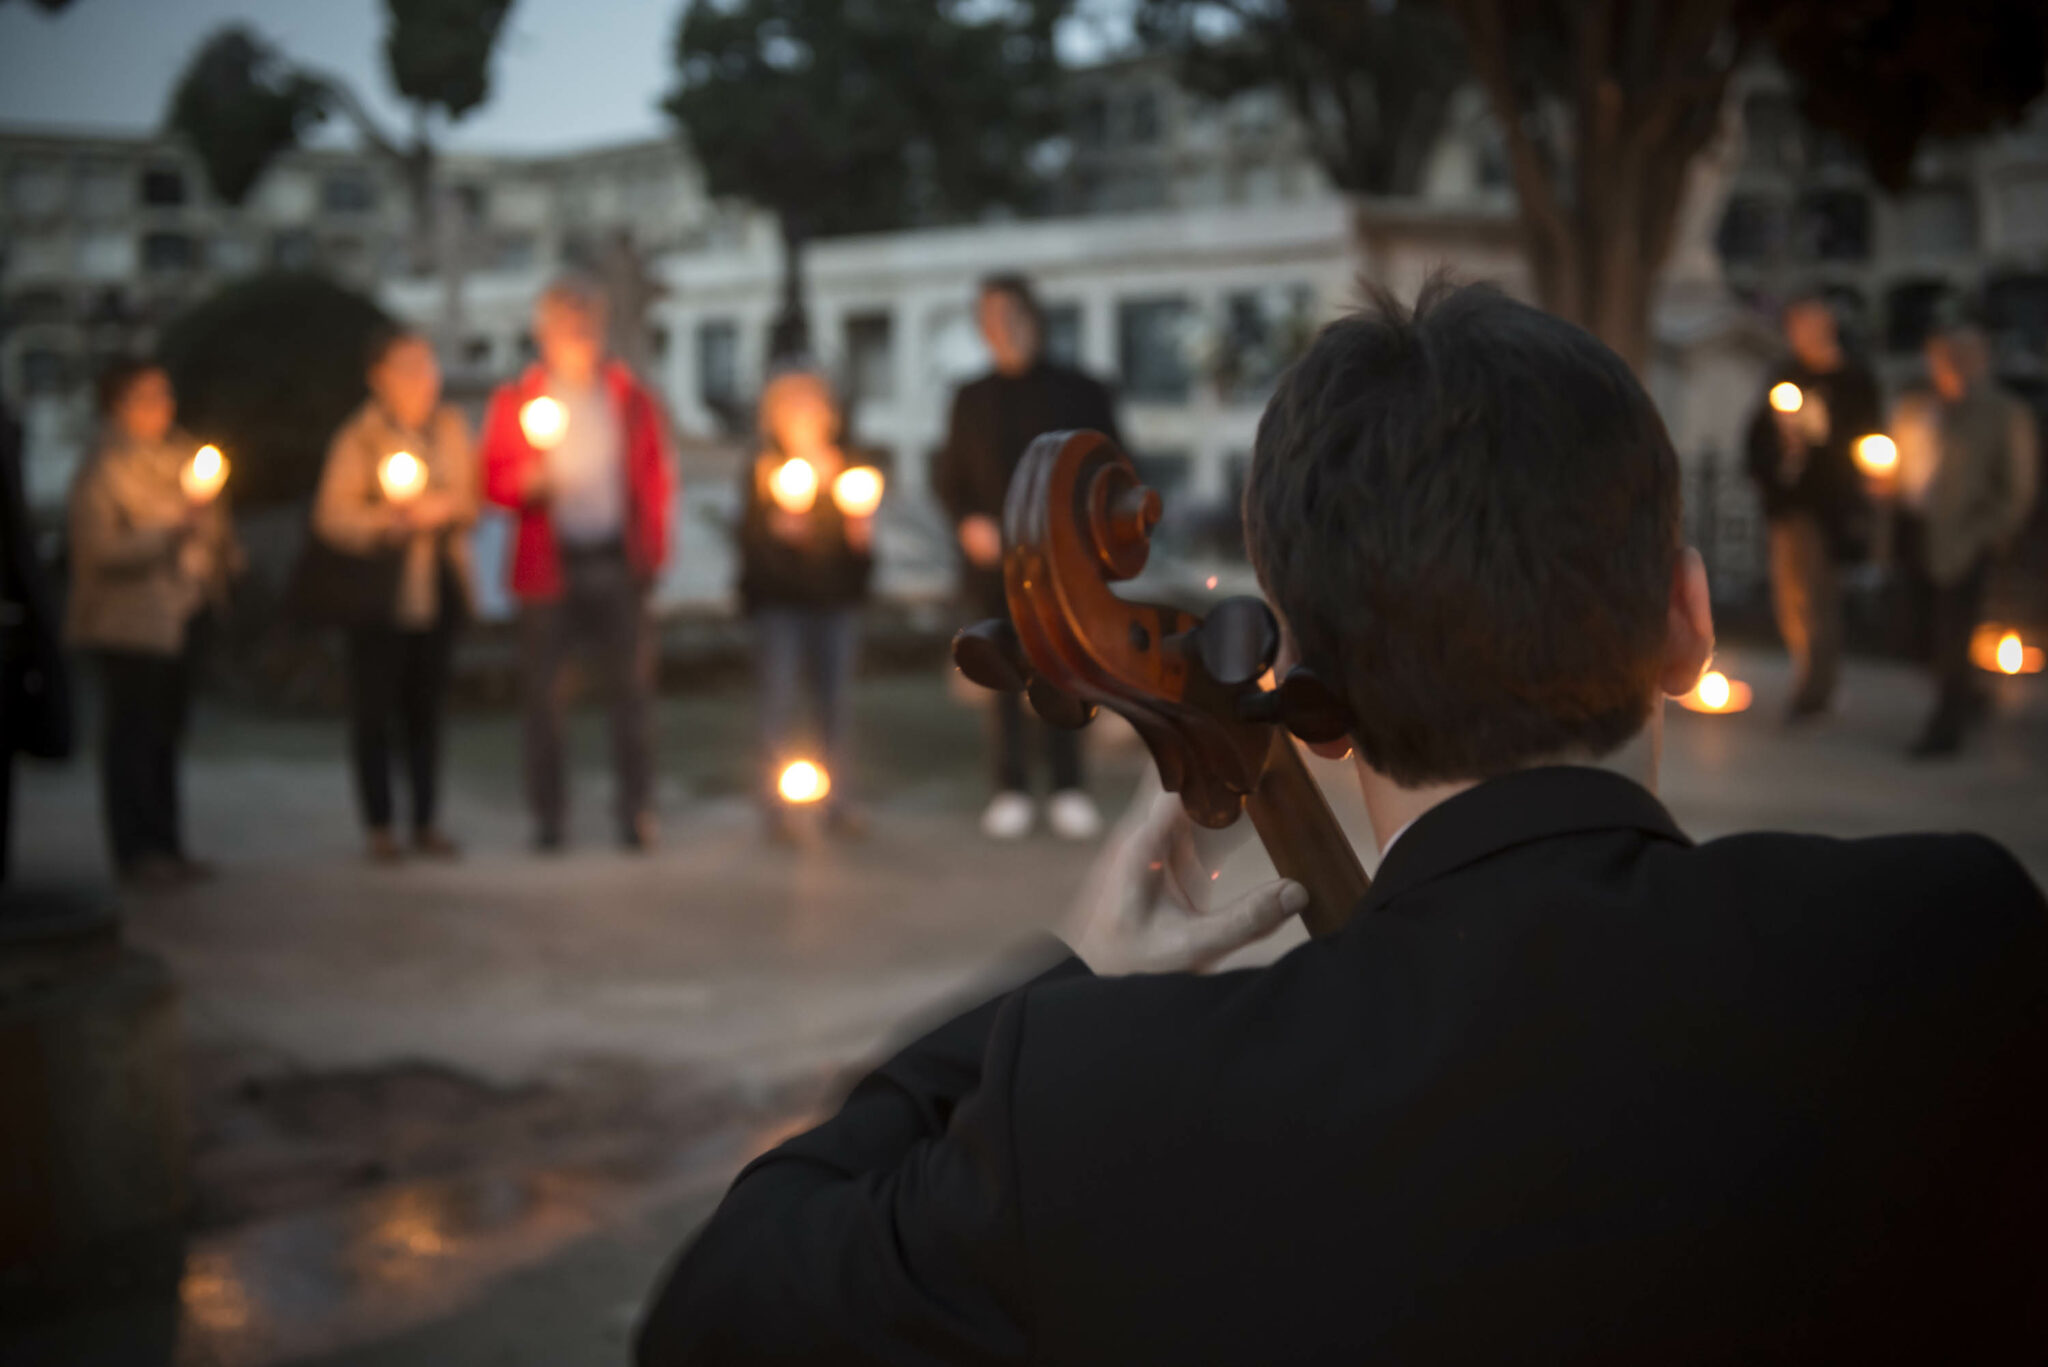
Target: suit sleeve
[1105, 420]
[1762, 453]
[949, 482]
[888, 1234]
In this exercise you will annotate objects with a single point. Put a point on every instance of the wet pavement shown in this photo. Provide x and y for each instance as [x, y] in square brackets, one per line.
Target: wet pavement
[460, 1114]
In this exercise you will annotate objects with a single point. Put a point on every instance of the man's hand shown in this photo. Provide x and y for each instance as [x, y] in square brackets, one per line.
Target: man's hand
[982, 540]
[1136, 915]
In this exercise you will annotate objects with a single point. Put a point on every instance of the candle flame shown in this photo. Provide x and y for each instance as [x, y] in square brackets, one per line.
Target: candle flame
[1716, 692]
[1877, 454]
[858, 491]
[2011, 653]
[1212, 582]
[543, 420]
[402, 475]
[2002, 650]
[1786, 398]
[204, 474]
[803, 782]
[794, 485]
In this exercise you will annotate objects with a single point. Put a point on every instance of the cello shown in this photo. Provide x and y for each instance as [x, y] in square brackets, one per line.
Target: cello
[1196, 689]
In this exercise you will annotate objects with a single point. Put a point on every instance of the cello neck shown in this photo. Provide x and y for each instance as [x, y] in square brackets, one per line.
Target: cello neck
[1301, 833]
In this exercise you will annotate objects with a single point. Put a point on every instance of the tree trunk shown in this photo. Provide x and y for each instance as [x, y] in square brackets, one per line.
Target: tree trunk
[791, 334]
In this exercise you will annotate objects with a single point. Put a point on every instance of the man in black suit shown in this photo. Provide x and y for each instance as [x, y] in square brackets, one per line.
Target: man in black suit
[1567, 1088]
[994, 419]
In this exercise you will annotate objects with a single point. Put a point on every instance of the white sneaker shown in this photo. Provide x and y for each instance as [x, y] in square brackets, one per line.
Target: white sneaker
[1008, 816]
[1071, 814]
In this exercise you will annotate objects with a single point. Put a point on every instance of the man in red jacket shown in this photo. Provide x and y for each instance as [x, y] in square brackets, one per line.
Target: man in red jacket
[577, 448]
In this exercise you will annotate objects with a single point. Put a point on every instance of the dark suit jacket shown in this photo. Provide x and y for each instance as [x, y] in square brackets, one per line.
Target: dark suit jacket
[1567, 1089]
[1829, 487]
[995, 418]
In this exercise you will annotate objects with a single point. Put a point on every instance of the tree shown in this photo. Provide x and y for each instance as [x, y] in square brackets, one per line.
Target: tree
[268, 368]
[844, 116]
[241, 103]
[1370, 83]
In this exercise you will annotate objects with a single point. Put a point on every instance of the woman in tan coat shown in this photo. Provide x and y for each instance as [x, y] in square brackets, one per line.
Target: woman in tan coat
[146, 558]
[413, 516]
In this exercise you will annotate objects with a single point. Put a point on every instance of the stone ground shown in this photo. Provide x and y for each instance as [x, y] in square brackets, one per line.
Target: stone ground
[460, 1114]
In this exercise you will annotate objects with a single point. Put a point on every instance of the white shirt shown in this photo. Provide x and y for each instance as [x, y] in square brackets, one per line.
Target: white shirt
[587, 467]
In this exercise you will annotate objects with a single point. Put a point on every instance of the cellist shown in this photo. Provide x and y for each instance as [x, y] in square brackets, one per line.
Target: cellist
[1566, 1087]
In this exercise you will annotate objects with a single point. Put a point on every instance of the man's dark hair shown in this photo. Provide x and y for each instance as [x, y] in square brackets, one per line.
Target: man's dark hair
[115, 379]
[1019, 288]
[383, 338]
[1468, 514]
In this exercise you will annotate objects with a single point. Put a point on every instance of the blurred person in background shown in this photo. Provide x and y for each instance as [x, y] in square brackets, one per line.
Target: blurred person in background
[35, 685]
[592, 493]
[399, 655]
[1972, 504]
[804, 575]
[146, 560]
[1803, 464]
[994, 419]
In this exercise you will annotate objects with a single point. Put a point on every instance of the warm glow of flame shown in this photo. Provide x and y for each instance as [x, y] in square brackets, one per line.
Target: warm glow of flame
[204, 474]
[1877, 454]
[543, 420]
[2003, 650]
[1716, 692]
[403, 476]
[794, 485]
[858, 492]
[1212, 582]
[803, 782]
[1786, 398]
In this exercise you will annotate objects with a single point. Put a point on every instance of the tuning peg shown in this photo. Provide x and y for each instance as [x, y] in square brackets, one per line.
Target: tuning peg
[1057, 708]
[1311, 709]
[990, 654]
[1237, 641]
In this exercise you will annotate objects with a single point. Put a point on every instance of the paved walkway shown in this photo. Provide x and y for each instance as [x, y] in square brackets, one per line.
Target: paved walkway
[458, 1114]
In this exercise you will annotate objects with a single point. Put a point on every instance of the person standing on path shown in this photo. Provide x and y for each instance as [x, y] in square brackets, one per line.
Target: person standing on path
[578, 449]
[1801, 443]
[994, 419]
[398, 663]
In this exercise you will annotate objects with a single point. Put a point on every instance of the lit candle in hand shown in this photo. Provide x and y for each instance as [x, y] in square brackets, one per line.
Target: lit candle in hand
[1785, 397]
[204, 474]
[858, 491]
[1877, 455]
[403, 476]
[544, 421]
[1716, 692]
[803, 782]
[794, 485]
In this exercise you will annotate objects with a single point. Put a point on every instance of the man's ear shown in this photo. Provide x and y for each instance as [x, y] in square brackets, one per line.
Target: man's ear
[1689, 626]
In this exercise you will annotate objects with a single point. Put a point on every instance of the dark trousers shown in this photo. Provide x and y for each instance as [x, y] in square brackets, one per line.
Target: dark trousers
[795, 647]
[1956, 608]
[1062, 748]
[143, 701]
[602, 614]
[1807, 589]
[402, 677]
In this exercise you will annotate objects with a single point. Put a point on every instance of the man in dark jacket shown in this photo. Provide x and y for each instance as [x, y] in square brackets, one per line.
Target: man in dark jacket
[994, 419]
[1568, 1088]
[1802, 456]
[35, 686]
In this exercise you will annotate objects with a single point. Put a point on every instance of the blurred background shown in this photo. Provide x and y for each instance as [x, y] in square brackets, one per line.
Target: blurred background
[459, 1113]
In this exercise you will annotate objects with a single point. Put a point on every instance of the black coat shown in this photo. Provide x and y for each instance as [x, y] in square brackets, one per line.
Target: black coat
[823, 570]
[1568, 1089]
[1829, 487]
[994, 419]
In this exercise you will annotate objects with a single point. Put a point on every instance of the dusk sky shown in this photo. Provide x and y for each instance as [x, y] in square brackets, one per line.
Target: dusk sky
[568, 73]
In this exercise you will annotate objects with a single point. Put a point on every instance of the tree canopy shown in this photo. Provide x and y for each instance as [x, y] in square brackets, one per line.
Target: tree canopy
[267, 368]
[439, 51]
[240, 105]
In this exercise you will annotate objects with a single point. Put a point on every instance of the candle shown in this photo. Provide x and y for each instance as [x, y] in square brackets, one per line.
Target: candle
[543, 420]
[403, 476]
[1877, 455]
[1717, 693]
[204, 474]
[2002, 650]
[803, 782]
[858, 492]
[1785, 397]
[794, 485]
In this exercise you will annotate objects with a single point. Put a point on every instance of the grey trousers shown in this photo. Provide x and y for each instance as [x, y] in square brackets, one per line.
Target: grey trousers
[603, 616]
[1806, 587]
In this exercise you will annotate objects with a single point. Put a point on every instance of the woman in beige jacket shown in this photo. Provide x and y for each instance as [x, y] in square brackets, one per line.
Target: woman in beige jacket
[146, 559]
[398, 664]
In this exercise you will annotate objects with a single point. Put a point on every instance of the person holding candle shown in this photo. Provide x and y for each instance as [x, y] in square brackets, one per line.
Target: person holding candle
[1971, 502]
[1801, 456]
[994, 419]
[400, 487]
[577, 447]
[806, 542]
[151, 548]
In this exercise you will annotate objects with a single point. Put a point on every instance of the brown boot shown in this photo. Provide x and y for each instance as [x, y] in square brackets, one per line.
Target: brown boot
[434, 845]
[383, 847]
